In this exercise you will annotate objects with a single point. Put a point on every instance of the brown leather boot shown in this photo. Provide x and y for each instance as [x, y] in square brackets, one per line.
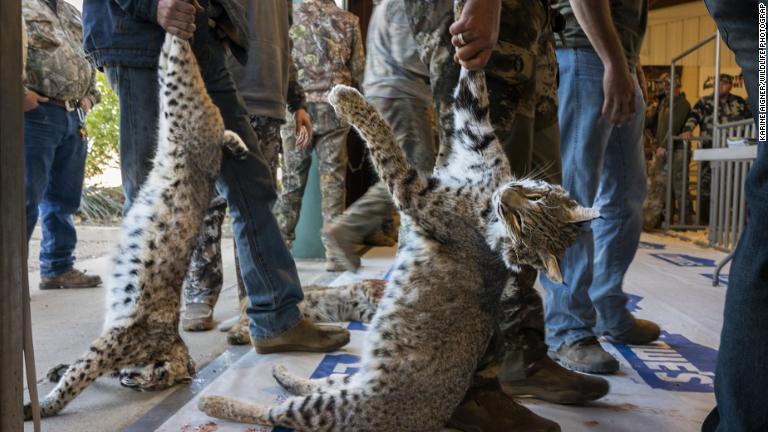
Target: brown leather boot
[306, 336]
[547, 380]
[71, 279]
[488, 409]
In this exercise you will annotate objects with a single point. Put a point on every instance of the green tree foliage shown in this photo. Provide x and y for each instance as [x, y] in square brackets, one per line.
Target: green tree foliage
[103, 124]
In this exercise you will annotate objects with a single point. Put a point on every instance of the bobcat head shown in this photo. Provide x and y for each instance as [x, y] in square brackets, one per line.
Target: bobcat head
[535, 223]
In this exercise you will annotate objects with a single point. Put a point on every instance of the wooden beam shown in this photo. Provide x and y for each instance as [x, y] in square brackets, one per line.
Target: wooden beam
[13, 260]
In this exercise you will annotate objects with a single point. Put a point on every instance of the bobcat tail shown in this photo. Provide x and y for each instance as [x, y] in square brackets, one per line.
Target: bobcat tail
[314, 412]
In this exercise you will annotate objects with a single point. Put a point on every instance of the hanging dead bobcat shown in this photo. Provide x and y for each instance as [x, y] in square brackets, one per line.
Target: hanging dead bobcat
[472, 224]
[140, 332]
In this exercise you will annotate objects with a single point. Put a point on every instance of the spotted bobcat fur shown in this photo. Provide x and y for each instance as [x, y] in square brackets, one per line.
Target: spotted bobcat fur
[472, 224]
[354, 302]
[158, 235]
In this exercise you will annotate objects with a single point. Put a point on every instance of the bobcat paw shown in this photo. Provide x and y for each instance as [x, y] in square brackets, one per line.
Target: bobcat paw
[235, 145]
[55, 373]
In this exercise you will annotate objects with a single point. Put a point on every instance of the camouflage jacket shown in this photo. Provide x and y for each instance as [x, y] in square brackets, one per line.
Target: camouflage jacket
[732, 108]
[327, 47]
[56, 65]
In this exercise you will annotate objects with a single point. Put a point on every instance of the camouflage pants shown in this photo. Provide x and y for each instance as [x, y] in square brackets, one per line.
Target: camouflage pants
[411, 123]
[204, 280]
[330, 143]
[522, 83]
[653, 208]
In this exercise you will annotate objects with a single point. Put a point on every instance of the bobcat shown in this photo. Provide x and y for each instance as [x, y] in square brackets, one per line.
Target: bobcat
[140, 332]
[472, 224]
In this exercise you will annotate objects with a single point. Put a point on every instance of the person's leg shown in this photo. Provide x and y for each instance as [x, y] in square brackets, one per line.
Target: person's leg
[742, 365]
[570, 315]
[61, 201]
[137, 90]
[267, 130]
[204, 280]
[620, 199]
[332, 157]
[44, 128]
[296, 165]
[268, 270]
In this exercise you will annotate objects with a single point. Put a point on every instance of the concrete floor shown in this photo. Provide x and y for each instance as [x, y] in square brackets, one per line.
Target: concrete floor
[66, 321]
[668, 282]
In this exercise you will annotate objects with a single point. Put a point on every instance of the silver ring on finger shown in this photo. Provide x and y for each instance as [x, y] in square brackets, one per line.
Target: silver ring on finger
[461, 40]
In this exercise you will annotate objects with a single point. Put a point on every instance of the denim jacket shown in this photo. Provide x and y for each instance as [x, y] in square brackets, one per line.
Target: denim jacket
[126, 32]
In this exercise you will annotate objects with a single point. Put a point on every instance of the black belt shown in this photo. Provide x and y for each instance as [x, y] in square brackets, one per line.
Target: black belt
[69, 105]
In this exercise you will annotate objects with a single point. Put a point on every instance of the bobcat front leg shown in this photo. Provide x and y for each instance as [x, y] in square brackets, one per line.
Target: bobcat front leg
[100, 359]
[234, 144]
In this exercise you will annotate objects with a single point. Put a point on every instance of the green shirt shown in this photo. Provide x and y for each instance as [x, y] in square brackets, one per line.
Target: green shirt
[629, 17]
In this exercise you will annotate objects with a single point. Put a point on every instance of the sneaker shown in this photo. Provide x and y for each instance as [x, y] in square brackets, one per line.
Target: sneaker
[306, 336]
[379, 239]
[71, 279]
[642, 333]
[490, 410]
[197, 317]
[586, 355]
[340, 248]
[547, 380]
[239, 334]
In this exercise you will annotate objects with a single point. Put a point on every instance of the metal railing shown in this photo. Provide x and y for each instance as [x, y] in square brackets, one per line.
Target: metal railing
[672, 139]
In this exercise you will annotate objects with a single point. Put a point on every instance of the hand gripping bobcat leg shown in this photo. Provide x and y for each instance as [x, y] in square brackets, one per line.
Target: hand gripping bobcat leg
[158, 235]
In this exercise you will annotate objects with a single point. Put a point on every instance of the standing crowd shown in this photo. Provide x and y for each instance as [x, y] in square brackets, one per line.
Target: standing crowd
[566, 104]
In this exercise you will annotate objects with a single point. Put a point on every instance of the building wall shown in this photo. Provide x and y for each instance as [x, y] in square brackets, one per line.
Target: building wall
[674, 29]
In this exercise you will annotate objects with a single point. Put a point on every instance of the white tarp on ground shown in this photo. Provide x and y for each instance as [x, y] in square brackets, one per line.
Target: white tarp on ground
[665, 387]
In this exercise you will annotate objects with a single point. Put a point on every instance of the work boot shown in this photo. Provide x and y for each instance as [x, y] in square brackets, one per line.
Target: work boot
[379, 239]
[71, 279]
[339, 247]
[642, 333]
[547, 380]
[306, 336]
[586, 355]
[335, 264]
[239, 334]
[197, 317]
[490, 410]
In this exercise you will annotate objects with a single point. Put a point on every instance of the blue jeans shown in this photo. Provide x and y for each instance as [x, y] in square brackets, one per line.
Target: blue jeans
[603, 166]
[741, 378]
[268, 270]
[54, 168]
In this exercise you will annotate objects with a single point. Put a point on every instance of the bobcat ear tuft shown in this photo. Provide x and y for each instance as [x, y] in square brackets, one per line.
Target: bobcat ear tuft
[583, 214]
[551, 267]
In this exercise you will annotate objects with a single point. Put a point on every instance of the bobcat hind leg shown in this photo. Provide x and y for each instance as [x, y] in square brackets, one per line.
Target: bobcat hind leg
[303, 386]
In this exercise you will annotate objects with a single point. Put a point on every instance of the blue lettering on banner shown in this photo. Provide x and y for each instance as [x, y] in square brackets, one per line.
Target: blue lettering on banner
[723, 277]
[633, 302]
[673, 363]
[649, 245]
[357, 326]
[683, 260]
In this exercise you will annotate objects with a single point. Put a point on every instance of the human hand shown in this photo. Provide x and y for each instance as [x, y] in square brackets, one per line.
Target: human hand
[618, 94]
[32, 100]
[479, 29]
[177, 17]
[303, 129]
[661, 152]
[686, 135]
[86, 104]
